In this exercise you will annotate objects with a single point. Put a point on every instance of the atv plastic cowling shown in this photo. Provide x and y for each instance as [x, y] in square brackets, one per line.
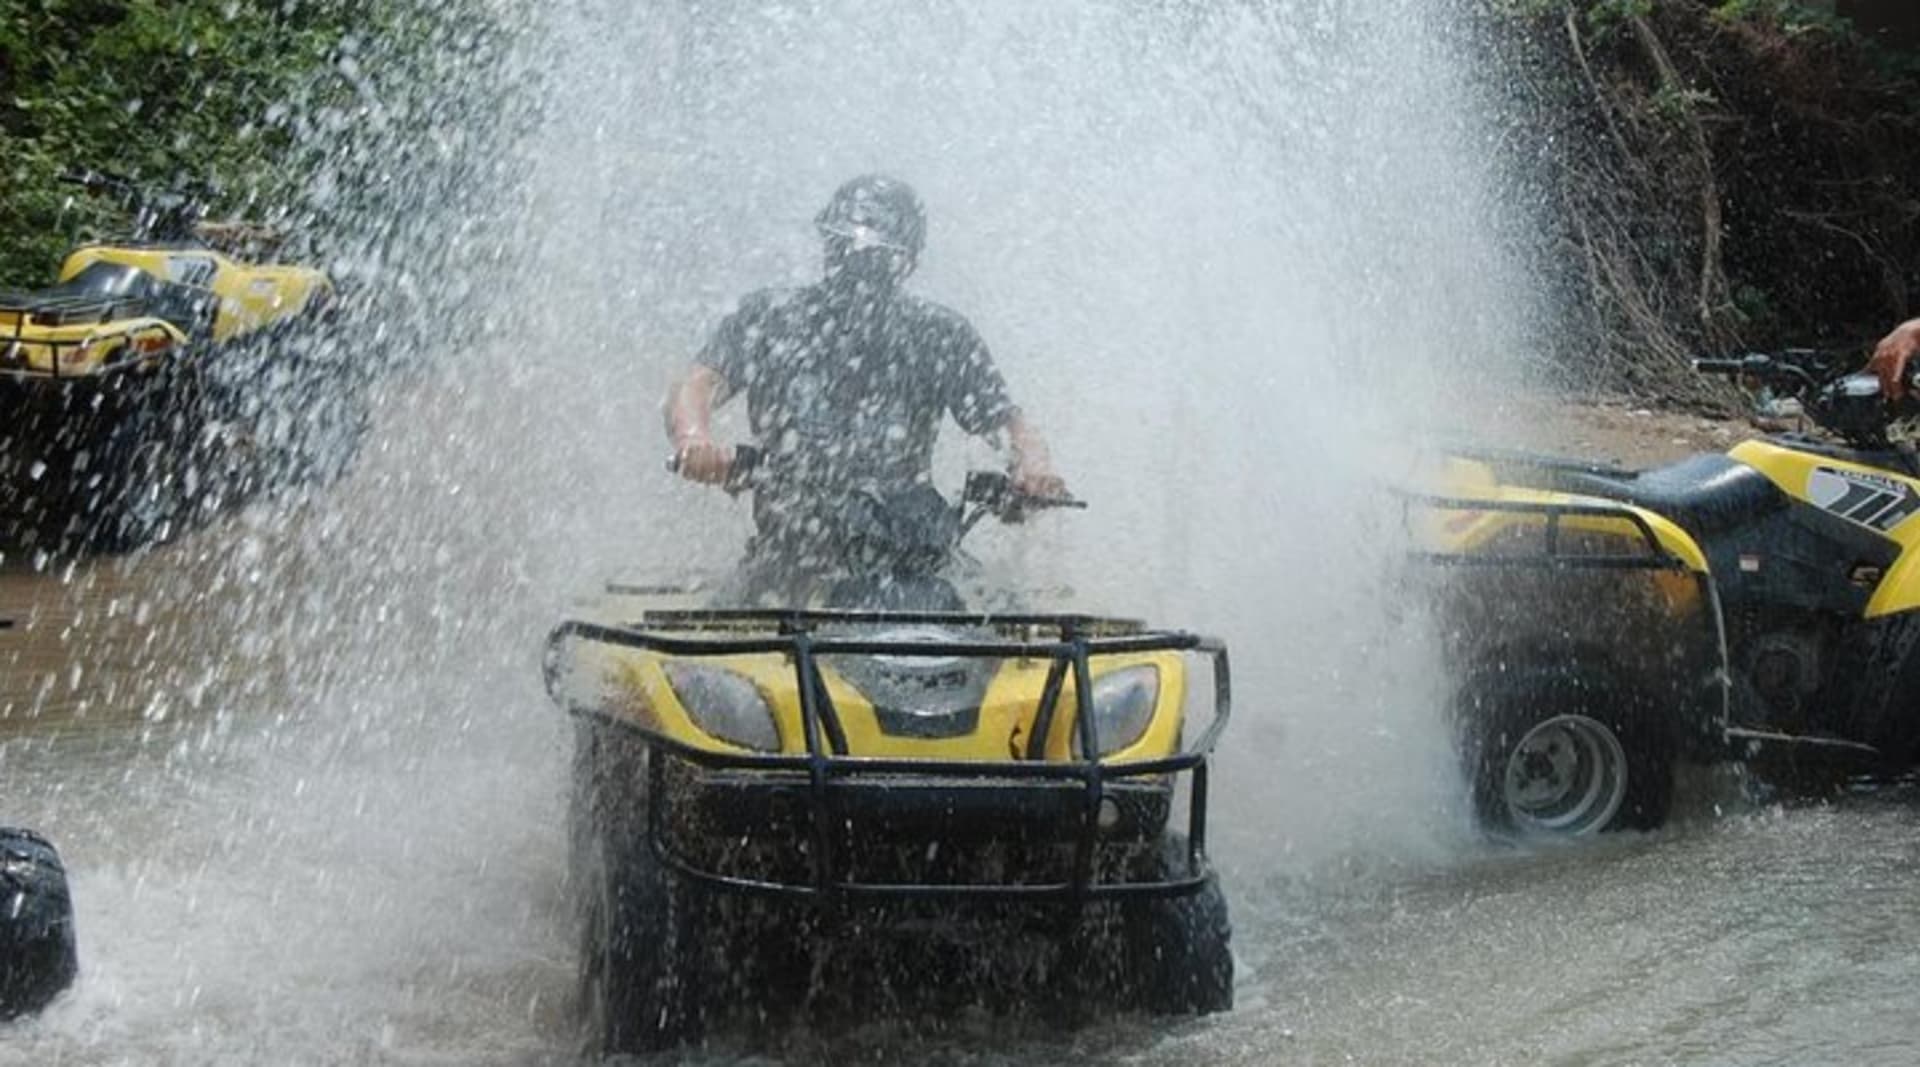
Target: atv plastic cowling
[826, 824]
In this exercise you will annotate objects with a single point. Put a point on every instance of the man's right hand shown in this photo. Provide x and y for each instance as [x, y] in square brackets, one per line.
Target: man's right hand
[1891, 357]
[698, 459]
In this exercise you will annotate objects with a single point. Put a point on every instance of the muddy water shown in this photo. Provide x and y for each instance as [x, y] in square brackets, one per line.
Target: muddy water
[259, 887]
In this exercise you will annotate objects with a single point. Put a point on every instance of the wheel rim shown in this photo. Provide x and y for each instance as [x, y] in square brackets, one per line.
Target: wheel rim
[152, 489]
[1567, 777]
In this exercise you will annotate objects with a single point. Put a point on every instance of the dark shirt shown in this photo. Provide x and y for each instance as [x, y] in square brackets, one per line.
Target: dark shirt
[845, 393]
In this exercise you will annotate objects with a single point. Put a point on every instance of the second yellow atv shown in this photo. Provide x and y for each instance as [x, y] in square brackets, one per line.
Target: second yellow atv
[161, 373]
[836, 810]
[1762, 605]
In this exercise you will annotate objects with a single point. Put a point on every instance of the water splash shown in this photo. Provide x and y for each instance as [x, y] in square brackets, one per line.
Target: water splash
[1224, 254]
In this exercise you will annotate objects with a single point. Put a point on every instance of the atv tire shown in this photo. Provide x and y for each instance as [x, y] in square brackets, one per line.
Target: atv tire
[37, 958]
[637, 990]
[1564, 751]
[144, 501]
[1886, 711]
[1178, 950]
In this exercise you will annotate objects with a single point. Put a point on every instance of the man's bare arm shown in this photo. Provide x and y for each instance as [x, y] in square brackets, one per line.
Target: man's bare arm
[689, 412]
[1033, 472]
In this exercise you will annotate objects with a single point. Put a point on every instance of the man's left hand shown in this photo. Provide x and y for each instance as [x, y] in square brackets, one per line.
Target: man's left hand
[1037, 479]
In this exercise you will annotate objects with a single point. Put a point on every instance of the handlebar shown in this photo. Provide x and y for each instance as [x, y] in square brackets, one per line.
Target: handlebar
[1835, 395]
[1797, 368]
[993, 491]
[164, 214]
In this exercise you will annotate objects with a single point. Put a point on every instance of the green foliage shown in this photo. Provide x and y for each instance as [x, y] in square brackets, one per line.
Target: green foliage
[1719, 174]
[1605, 15]
[1784, 15]
[1674, 103]
[227, 92]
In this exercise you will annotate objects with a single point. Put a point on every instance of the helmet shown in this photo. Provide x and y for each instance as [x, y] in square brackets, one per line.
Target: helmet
[875, 210]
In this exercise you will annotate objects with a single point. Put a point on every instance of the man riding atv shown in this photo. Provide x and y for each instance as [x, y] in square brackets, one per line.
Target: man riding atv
[846, 382]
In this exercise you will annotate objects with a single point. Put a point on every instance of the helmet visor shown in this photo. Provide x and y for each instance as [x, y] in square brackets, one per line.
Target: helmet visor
[861, 236]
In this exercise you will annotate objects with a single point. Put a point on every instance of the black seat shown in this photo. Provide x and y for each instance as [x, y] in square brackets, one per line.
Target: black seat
[1704, 494]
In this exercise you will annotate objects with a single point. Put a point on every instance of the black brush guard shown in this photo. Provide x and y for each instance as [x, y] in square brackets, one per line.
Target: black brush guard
[1073, 640]
[1553, 552]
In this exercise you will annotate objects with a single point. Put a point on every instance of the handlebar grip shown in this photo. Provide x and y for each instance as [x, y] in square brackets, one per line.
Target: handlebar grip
[1720, 366]
[746, 461]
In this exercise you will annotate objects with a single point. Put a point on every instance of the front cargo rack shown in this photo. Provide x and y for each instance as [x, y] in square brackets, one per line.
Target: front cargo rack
[1069, 642]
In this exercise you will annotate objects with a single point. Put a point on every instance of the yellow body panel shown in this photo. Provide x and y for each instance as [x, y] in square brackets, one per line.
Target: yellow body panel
[249, 296]
[247, 299]
[1792, 471]
[634, 684]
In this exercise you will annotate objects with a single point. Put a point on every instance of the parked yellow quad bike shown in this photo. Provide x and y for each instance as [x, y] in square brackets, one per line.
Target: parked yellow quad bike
[1762, 605]
[836, 812]
[161, 373]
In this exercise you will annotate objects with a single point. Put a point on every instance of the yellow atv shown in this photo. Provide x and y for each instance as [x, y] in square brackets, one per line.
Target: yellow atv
[133, 384]
[837, 809]
[1760, 605]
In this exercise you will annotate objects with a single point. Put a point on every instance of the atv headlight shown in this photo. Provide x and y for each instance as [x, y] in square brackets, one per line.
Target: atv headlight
[1123, 704]
[725, 704]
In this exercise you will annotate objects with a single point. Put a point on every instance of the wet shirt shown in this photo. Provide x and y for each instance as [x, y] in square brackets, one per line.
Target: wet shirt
[844, 393]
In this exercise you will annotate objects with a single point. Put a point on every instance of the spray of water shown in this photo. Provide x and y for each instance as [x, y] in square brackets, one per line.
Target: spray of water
[1220, 250]
[1224, 253]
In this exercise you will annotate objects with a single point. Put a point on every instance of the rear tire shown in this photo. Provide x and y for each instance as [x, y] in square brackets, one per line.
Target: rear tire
[37, 957]
[1179, 949]
[1564, 752]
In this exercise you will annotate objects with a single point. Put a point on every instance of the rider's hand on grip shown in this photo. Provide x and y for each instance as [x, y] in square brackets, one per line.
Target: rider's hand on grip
[1892, 358]
[699, 459]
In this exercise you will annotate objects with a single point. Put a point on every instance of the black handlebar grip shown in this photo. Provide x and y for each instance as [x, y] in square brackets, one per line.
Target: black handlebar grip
[746, 460]
[1721, 366]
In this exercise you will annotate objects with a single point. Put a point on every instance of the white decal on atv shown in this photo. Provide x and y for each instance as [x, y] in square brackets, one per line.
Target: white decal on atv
[1872, 500]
